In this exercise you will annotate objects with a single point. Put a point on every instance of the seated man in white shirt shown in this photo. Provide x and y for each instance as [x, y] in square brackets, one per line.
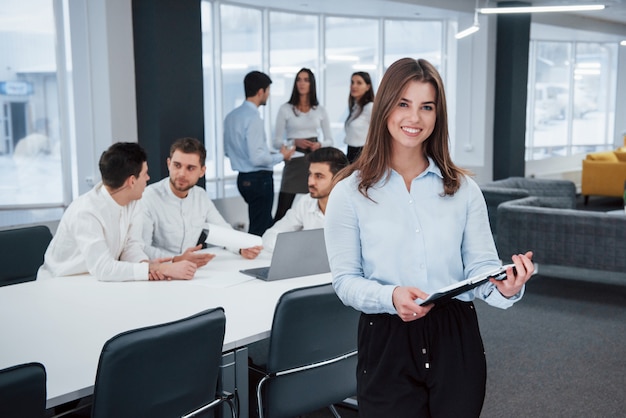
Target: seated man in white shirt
[176, 210]
[100, 232]
[308, 212]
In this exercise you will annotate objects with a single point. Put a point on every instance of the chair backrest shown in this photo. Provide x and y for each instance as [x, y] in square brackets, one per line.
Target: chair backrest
[23, 391]
[22, 253]
[164, 370]
[311, 325]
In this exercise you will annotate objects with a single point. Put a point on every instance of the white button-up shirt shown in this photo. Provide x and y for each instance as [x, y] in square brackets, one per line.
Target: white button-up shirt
[305, 214]
[98, 236]
[171, 224]
[413, 238]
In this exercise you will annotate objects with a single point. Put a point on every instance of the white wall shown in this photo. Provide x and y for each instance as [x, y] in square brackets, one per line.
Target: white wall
[475, 95]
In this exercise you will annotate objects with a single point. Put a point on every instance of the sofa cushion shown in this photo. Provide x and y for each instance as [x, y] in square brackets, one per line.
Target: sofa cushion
[621, 155]
[603, 156]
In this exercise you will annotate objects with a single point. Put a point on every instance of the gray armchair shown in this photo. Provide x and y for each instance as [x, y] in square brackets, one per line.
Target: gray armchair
[560, 193]
[562, 237]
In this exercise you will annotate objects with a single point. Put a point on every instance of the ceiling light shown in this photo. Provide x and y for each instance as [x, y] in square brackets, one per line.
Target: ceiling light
[467, 32]
[541, 9]
[284, 70]
[364, 67]
[342, 58]
[472, 29]
[623, 43]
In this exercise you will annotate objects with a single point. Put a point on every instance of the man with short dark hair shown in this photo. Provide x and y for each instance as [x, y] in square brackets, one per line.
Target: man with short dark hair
[309, 210]
[100, 232]
[246, 146]
[176, 210]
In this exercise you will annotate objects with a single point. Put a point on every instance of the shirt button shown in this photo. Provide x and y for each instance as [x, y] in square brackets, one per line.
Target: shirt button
[421, 266]
[417, 230]
[411, 201]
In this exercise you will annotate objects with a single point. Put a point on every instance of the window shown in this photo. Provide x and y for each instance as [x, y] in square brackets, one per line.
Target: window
[215, 169]
[570, 98]
[240, 39]
[293, 45]
[30, 140]
[241, 52]
[351, 45]
[415, 39]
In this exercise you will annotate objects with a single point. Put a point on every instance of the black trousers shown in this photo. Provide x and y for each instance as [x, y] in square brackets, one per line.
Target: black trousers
[353, 153]
[257, 189]
[431, 367]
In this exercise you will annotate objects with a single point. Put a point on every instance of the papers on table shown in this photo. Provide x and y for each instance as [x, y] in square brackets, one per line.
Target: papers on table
[222, 236]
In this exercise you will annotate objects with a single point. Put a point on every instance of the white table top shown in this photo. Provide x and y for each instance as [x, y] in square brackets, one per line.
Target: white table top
[64, 322]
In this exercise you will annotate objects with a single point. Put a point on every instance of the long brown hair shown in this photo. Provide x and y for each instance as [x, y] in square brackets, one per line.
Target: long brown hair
[295, 96]
[367, 97]
[374, 163]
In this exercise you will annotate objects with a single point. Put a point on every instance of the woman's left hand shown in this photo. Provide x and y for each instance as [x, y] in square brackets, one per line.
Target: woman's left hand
[514, 282]
[314, 145]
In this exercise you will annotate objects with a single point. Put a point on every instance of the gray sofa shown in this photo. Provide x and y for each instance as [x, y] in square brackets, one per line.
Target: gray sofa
[562, 236]
[561, 193]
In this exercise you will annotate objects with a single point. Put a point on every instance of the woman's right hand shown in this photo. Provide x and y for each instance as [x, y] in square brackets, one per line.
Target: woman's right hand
[304, 143]
[287, 152]
[404, 301]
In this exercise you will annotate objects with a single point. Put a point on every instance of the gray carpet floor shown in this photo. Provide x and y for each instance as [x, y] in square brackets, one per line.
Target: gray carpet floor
[560, 352]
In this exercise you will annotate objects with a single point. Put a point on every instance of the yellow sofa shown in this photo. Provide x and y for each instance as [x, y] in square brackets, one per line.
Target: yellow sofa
[604, 173]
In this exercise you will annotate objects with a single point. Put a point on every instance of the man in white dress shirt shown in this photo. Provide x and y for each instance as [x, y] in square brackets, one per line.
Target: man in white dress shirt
[176, 210]
[100, 232]
[308, 212]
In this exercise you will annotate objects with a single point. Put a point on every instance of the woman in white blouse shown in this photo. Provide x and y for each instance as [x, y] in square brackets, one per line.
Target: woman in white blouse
[299, 120]
[360, 103]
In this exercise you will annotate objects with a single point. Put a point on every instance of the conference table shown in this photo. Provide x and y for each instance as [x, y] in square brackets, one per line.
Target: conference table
[63, 322]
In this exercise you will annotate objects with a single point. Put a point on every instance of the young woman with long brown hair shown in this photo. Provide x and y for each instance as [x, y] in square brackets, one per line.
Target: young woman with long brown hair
[402, 222]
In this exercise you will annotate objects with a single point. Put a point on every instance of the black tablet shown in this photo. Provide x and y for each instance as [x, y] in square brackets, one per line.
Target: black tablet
[465, 285]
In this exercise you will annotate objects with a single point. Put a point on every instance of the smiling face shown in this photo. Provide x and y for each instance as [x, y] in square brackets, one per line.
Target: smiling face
[185, 171]
[413, 118]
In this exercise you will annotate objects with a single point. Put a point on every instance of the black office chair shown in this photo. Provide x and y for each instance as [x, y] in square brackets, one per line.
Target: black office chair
[23, 391]
[311, 360]
[168, 370]
[22, 253]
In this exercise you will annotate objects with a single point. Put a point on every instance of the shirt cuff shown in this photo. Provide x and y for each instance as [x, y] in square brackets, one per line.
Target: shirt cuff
[386, 300]
[141, 271]
[498, 300]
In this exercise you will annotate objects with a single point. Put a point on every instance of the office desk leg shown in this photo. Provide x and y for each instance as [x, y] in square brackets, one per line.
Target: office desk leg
[234, 379]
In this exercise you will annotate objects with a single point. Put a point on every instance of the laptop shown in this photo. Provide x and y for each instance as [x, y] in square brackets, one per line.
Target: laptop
[297, 253]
